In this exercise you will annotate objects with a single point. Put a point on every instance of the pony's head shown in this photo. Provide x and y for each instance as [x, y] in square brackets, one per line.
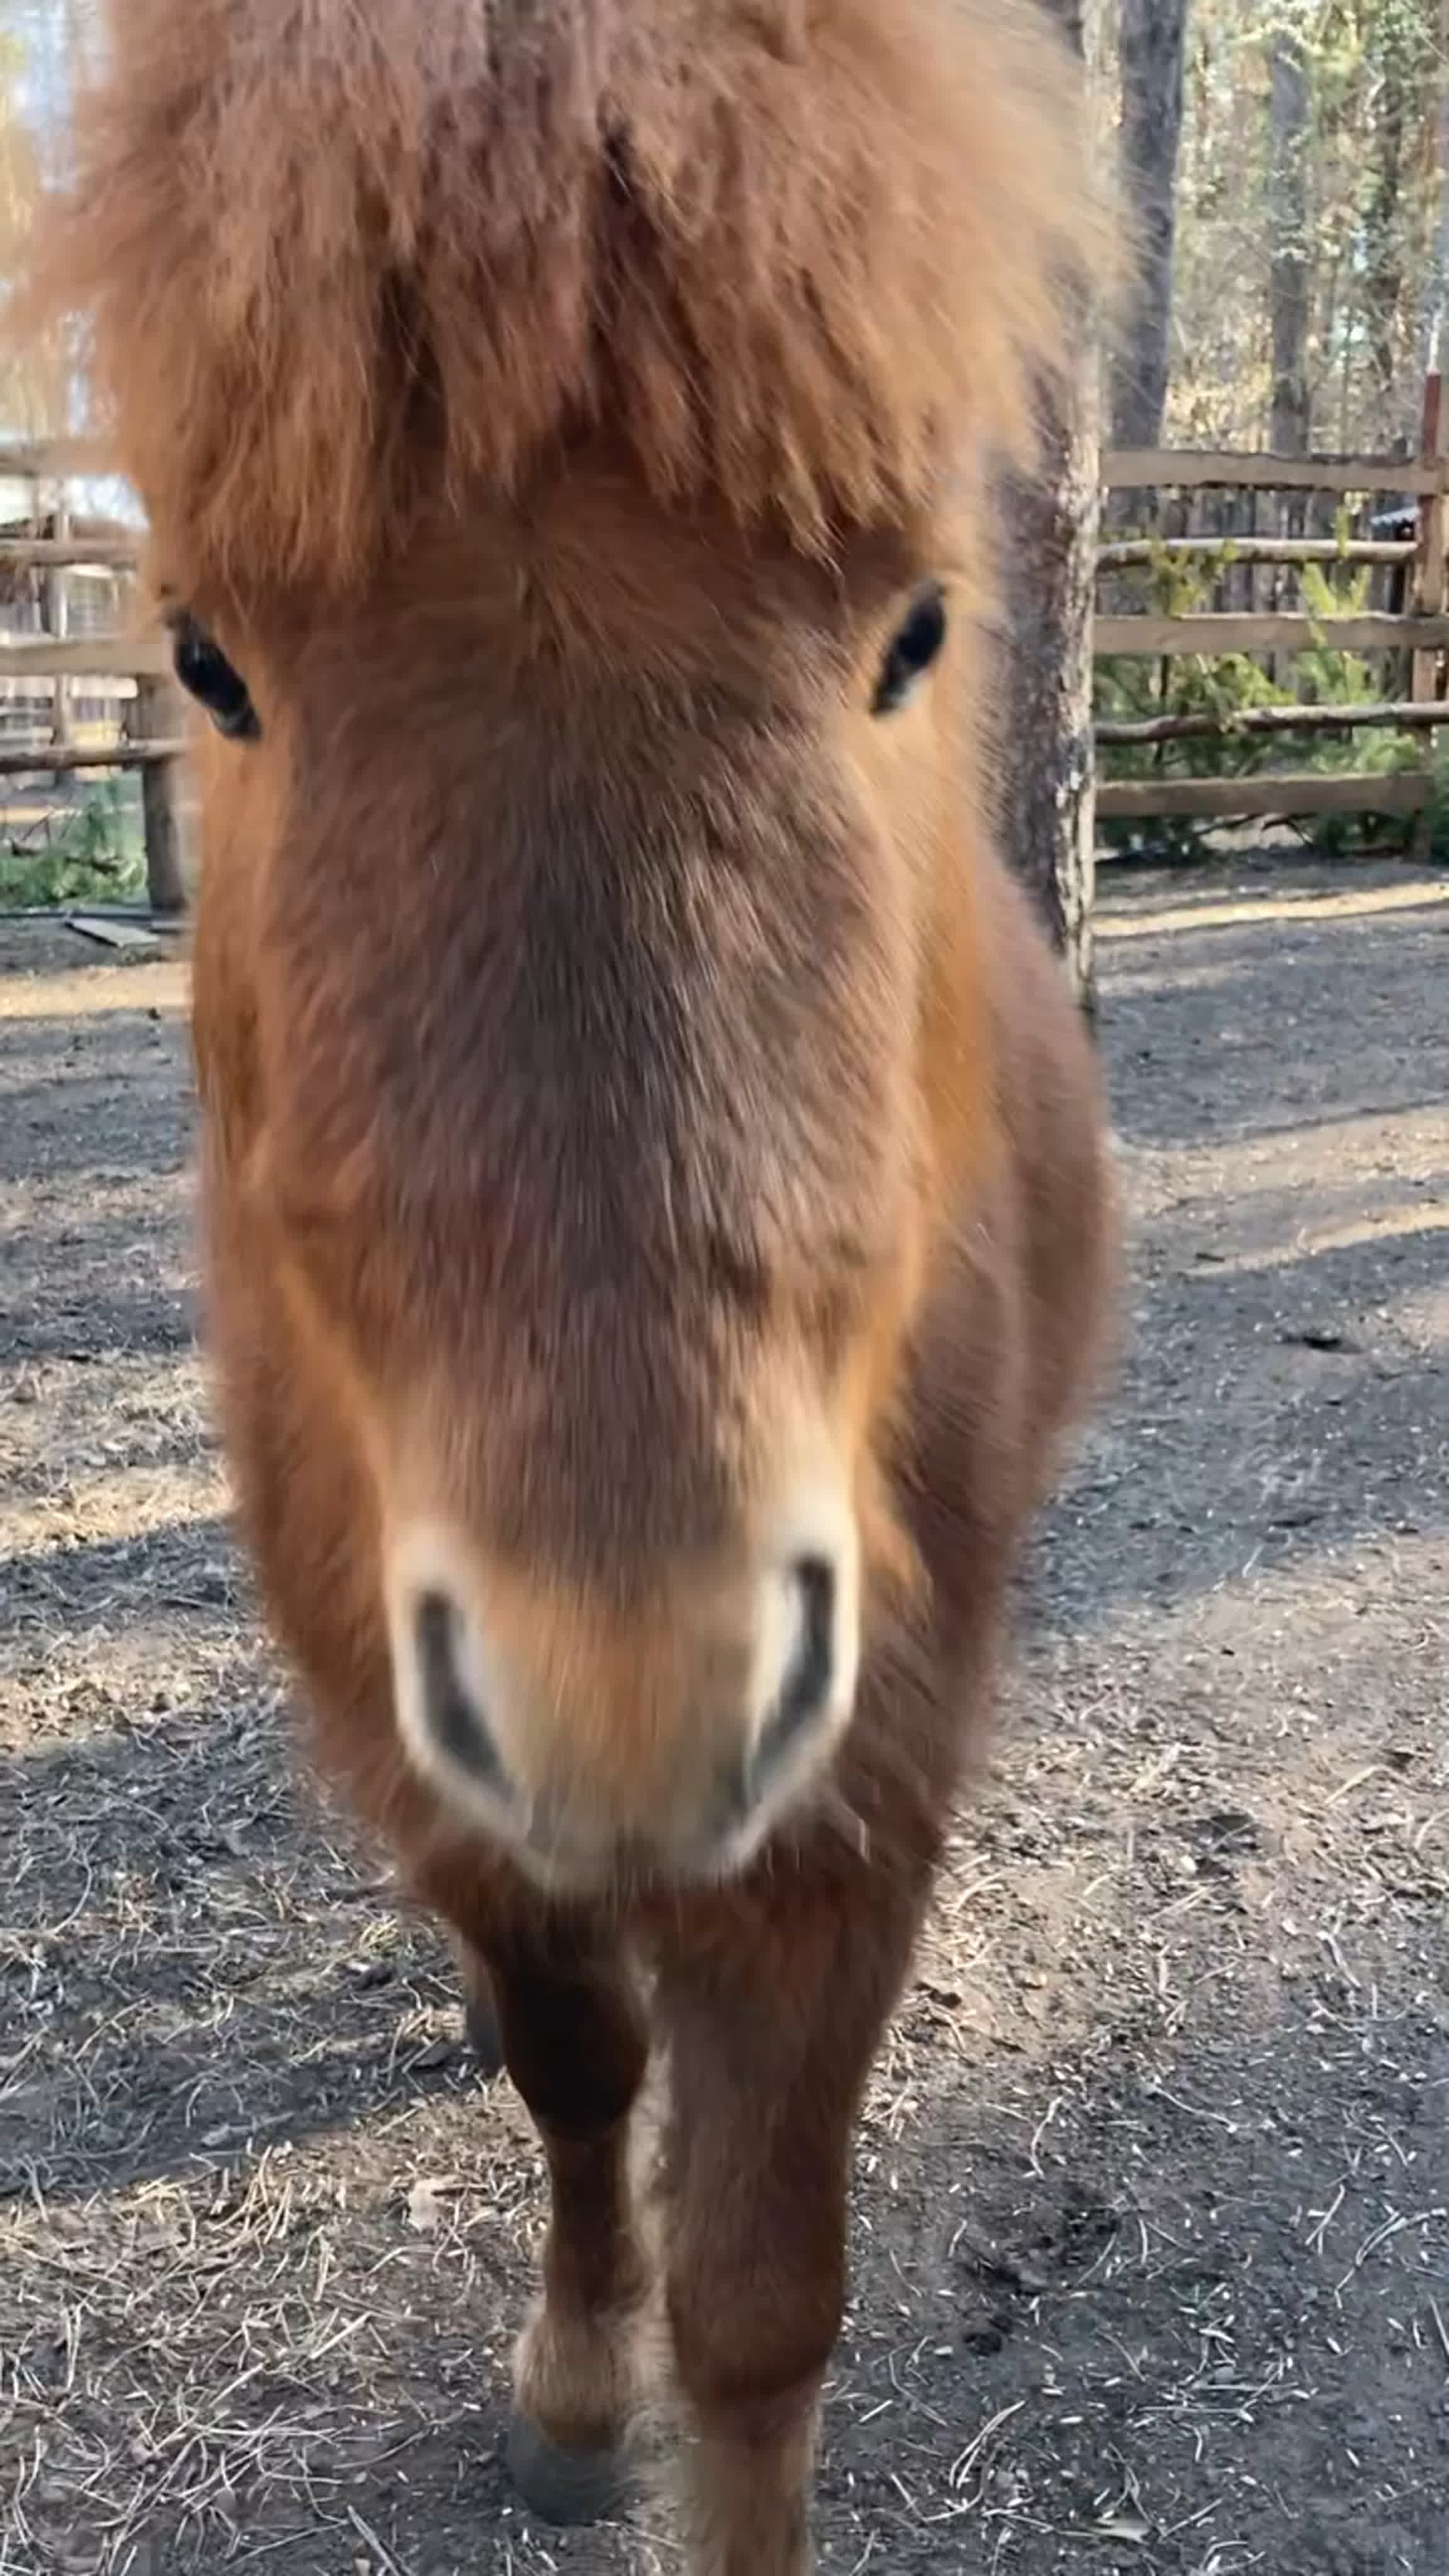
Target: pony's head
[562, 425]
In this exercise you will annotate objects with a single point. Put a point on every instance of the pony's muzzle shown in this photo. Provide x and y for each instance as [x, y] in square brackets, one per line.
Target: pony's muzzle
[597, 1748]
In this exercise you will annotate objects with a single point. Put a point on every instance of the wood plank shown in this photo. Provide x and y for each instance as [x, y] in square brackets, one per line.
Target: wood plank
[46, 760]
[55, 601]
[92, 657]
[44, 459]
[1125, 551]
[1185, 469]
[1217, 632]
[124, 552]
[158, 715]
[113, 933]
[1404, 791]
[1409, 715]
[1427, 589]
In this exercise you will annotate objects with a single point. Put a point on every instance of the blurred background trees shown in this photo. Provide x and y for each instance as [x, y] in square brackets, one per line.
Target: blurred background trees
[1286, 158]
[1307, 210]
[1285, 162]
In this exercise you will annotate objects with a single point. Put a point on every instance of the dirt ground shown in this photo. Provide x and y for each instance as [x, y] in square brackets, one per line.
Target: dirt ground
[1152, 2228]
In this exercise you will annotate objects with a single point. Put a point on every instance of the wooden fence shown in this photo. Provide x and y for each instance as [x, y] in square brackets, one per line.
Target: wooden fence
[148, 734]
[1418, 630]
[130, 671]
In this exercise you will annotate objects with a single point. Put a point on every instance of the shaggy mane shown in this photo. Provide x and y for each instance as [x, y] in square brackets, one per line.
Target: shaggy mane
[338, 254]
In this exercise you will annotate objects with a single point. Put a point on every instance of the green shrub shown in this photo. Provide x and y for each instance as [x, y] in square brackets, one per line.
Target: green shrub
[93, 853]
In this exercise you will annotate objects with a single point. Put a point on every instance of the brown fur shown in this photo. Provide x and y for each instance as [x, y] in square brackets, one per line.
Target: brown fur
[783, 248]
[626, 1070]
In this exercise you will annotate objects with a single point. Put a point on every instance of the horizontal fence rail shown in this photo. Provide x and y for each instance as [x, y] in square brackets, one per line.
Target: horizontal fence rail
[1122, 554]
[1398, 791]
[79, 552]
[57, 460]
[1380, 712]
[66, 757]
[1186, 469]
[146, 655]
[1215, 631]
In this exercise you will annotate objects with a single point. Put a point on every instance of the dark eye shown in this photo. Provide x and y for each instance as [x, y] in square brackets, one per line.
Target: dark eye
[207, 675]
[917, 641]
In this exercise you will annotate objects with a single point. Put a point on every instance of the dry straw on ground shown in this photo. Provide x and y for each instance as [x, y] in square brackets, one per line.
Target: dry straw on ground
[1152, 2232]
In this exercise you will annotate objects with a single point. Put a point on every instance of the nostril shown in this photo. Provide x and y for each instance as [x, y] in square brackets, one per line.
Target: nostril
[451, 1712]
[809, 1680]
[809, 1676]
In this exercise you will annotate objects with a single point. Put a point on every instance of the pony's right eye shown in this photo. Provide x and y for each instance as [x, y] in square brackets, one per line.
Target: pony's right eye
[913, 648]
[206, 675]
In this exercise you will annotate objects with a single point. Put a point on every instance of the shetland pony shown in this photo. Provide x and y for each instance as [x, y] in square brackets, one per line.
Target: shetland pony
[654, 1196]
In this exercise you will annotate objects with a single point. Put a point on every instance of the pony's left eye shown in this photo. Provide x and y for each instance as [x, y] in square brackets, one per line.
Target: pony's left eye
[205, 673]
[913, 648]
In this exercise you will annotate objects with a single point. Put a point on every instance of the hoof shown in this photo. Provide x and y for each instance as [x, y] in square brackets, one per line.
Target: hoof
[483, 2040]
[564, 2486]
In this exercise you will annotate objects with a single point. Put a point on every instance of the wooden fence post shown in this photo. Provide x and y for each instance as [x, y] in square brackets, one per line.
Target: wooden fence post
[1428, 586]
[55, 591]
[1428, 576]
[158, 719]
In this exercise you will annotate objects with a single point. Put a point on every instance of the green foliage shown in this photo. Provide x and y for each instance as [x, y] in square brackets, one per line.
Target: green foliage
[92, 854]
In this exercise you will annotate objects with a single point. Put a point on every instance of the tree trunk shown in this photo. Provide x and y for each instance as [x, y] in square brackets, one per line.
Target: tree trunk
[1152, 45]
[1046, 763]
[1288, 268]
[1384, 283]
[1436, 294]
[56, 594]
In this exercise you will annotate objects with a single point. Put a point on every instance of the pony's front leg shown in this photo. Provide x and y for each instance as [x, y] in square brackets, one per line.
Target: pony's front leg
[480, 2006]
[573, 2039]
[771, 2032]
